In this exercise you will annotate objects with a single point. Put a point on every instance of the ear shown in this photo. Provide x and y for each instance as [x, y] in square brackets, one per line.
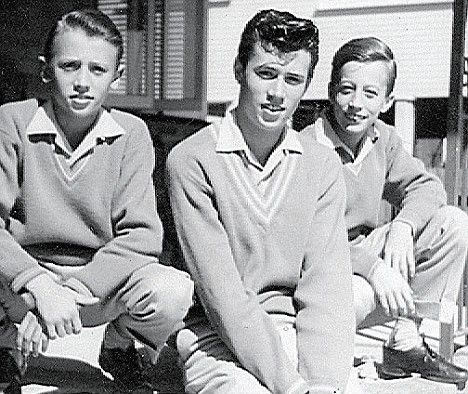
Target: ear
[238, 70]
[45, 70]
[118, 74]
[389, 102]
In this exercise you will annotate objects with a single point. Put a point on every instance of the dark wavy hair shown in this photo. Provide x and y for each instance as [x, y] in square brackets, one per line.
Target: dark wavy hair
[363, 50]
[93, 22]
[279, 31]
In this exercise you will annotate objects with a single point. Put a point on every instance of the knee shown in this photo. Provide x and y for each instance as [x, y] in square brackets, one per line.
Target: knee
[364, 298]
[163, 294]
[455, 225]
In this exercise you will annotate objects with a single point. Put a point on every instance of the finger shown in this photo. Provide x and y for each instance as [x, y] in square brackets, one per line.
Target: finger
[60, 329]
[28, 337]
[393, 306]
[68, 328]
[45, 343]
[411, 266]
[51, 331]
[408, 297]
[36, 340]
[76, 324]
[383, 301]
[86, 300]
[401, 304]
[20, 333]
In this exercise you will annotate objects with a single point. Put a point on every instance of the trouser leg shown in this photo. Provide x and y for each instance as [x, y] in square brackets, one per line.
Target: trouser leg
[440, 253]
[12, 310]
[148, 307]
[210, 367]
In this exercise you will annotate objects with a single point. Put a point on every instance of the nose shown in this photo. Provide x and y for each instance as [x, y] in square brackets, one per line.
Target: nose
[356, 101]
[81, 83]
[276, 93]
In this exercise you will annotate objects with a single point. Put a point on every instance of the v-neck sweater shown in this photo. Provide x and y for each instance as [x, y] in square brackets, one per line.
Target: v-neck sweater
[101, 219]
[282, 252]
[385, 171]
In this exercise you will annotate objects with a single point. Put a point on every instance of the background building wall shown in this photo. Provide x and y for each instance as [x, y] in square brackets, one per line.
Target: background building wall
[419, 32]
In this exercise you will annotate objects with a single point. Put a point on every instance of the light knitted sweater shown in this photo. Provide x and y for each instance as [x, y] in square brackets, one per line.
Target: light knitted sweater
[283, 252]
[383, 170]
[100, 216]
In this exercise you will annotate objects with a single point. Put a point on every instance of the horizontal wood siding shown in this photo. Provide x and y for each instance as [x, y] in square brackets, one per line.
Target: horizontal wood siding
[420, 36]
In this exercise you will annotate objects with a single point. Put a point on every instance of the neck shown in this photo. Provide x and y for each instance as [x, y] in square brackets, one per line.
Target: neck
[351, 140]
[74, 129]
[260, 142]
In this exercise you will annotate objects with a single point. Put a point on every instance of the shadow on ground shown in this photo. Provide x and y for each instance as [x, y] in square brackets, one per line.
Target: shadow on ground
[63, 375]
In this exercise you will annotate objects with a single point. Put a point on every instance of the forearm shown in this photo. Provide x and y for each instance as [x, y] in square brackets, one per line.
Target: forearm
[410, 187]
[324, 298]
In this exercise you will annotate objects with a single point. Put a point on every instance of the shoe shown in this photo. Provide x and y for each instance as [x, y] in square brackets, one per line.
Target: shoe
[11, 371]
[422, 360]
[126, 368]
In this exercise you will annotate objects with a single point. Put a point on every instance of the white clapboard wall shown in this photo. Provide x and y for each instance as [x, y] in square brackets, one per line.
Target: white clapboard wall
[418, 31]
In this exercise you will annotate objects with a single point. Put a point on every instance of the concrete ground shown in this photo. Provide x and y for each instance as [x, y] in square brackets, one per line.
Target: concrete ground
[70, 366]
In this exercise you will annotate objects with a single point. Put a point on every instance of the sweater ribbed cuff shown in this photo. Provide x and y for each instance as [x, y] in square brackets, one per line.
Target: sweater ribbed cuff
[79, 287]
[24, 277]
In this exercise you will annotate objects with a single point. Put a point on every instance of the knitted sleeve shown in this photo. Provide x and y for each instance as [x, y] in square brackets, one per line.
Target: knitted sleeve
[325, 319]
[410, 187]
[16, 265]
[234, 313]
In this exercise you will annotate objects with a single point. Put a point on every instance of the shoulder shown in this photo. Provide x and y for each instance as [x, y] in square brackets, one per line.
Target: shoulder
[195, 147]
[315, 152]
[19, 112]
[128, 121]
[387, 134]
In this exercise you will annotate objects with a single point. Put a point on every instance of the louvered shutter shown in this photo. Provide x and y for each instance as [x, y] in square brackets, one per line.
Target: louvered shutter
[164, 53]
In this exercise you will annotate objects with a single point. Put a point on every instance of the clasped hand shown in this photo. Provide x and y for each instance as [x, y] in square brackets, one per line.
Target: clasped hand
[390, 278]
[56, 314]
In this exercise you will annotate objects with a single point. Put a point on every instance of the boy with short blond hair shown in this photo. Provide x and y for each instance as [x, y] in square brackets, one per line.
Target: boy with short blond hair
[80, 238]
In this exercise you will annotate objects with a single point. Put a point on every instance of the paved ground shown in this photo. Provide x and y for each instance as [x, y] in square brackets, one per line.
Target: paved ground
[70, 366]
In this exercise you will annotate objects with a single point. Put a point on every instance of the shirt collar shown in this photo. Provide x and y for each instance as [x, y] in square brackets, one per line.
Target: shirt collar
[45, 123]
[230, 138]
[328, 137]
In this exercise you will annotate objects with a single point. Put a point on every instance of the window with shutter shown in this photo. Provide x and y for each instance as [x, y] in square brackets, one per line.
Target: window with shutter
[164, 54]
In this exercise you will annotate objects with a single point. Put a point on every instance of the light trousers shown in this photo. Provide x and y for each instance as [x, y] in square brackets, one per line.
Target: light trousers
[440, 251]
[149, 306]
[210, 367]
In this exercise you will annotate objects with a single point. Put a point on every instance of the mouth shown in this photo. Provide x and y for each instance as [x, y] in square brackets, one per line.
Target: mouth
[355, 117]
[80, 101]
[273, 108]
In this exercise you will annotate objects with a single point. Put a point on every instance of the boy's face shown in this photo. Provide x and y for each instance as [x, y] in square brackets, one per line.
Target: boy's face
[271, 86]
[82, 70]
[360, 96]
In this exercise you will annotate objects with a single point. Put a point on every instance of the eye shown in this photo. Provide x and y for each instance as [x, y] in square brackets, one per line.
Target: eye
[98, 69]
[371, 93]
[293, 79]
[70, 66]
[266, 73]
[345, 89]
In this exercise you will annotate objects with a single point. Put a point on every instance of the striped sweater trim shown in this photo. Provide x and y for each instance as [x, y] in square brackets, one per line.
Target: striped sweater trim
[264, 207]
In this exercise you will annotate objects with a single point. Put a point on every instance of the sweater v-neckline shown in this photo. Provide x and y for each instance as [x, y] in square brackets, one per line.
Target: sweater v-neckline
[263, 205]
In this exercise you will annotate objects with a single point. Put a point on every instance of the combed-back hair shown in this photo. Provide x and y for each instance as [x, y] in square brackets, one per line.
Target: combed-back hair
[281, 32]
[93, 22]
[363, 50]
